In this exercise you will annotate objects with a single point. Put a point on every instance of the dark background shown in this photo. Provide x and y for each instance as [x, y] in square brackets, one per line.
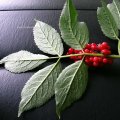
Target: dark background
[101, 100]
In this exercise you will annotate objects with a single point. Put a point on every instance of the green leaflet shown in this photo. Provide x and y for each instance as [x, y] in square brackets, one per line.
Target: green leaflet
[40, 88]
[70, 85]
[23, 61]
[107, 22]
[47, 39]
[115, 11]
[74, 33]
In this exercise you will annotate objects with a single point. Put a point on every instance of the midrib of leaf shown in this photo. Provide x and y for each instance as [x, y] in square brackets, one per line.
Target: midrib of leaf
[84, 38]
[49, 42]
[70, 27]
[72, 81]
[42, 83]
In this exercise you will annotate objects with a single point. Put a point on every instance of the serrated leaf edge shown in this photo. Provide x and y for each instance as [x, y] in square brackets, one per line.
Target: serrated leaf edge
[58, 113]
[20, 111]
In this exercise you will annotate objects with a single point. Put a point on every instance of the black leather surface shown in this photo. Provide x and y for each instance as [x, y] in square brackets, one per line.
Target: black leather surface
[46, 4]
[101, 100]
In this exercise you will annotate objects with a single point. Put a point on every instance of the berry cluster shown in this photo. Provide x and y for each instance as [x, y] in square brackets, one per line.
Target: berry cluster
[95, 61]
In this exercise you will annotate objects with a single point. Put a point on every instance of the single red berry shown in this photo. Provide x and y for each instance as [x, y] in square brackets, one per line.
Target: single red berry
[99, 47]
[76, 51]
[91, 51]
[95, 64]
[106, 52]
[80, 52]
[71, 50]
[94, 46]
[93, 43]
[105, 60]
[88, 46]
[86, 50]
[95, 59]
[80, 57]
[87, 59]
[105, 45]
[91, 59]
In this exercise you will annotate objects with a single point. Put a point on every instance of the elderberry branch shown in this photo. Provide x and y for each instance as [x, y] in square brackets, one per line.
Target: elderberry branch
[67, 56]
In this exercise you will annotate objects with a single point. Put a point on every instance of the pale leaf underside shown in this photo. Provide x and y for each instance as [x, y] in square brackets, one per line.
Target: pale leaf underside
[23, 61]
[39, 88]
[47, 39]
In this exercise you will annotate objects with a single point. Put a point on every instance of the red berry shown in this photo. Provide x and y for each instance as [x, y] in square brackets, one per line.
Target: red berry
[80, 52]
[91, 51]
[91, 59]
[80, 57]
[86, 51]
[88, 46]
[87, 59]
[106, 52]
[76, 51]
[95, 64]
[96, 59]
[100, 47]
[71, 50]
[105, 45]
[94, 46]
[105, 60]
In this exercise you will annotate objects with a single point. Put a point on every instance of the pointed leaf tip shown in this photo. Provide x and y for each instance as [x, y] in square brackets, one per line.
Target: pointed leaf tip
[71, 29]
[39, 88]
[23, 61]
